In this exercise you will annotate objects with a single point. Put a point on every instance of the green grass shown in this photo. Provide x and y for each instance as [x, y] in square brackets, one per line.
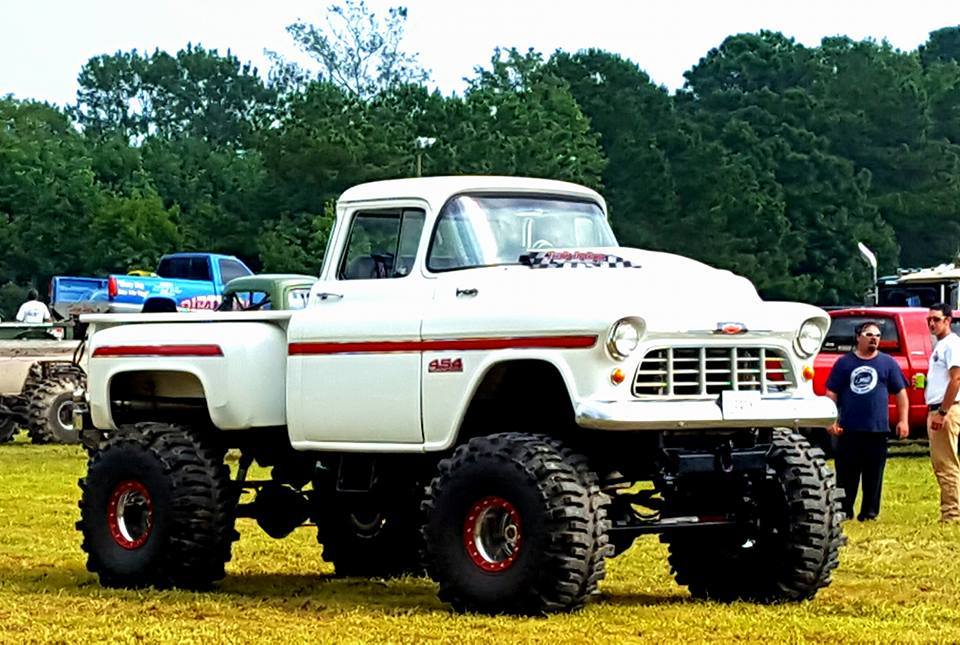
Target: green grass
[899, 580]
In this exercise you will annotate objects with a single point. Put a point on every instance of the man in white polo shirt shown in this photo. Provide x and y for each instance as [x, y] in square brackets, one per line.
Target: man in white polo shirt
[943, 420]
[33, 311]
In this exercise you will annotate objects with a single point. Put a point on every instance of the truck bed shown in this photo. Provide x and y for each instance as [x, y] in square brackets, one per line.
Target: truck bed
[73, 295]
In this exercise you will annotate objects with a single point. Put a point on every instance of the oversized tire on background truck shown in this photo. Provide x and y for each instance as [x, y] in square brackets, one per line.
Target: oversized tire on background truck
[8, 426]
[50, 407]
[44, 408]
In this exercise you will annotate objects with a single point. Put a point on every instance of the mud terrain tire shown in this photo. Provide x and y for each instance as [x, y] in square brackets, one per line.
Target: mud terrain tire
[515, 523]
[793, 552]
[50, 410]
[8, 428]
[157, 509]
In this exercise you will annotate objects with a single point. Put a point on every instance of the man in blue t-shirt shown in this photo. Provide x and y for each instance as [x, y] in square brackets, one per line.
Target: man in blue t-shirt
[860, 383]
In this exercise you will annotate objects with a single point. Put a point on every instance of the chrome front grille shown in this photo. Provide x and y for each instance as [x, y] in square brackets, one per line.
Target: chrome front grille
[704, 371]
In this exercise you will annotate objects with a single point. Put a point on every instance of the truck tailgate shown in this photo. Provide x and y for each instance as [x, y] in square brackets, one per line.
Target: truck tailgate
[72, 295]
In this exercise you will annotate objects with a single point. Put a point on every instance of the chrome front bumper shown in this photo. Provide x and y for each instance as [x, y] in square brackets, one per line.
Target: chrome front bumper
[733, 411]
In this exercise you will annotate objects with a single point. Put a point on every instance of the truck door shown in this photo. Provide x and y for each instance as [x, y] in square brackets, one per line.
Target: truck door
[354, 354]
[919, 345]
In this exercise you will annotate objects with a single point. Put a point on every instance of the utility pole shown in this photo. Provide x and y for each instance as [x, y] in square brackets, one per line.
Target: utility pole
[422, 144]
[872, 261]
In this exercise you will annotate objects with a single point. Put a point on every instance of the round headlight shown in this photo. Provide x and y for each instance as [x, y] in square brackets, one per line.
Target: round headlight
[624, 337]
[809, 338]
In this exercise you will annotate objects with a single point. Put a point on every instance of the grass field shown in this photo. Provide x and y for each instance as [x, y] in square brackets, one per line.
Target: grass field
[899, 580]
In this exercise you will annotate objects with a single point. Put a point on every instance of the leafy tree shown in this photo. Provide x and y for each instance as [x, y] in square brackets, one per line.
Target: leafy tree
[942, 46]
[519, 118]
[133, 232]
[11, 297]
[198, 94]
[325, 145]
[357, 52]
[768, 85]
[751, 62]
[296, 243]
[636, 123]
[879, 115]
[47, 193]
[218, 192]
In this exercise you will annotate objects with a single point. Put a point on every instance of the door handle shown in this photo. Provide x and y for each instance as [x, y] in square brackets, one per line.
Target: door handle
[466, 293]
[329, 296]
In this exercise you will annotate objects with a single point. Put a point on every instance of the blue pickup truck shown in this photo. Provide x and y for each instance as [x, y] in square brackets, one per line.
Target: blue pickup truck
[183, 282]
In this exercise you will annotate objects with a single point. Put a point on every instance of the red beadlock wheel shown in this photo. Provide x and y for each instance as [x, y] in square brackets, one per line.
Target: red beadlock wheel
[130, 514]
[492, 534]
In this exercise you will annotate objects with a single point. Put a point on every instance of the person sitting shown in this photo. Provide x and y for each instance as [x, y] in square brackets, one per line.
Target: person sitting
[33, 311]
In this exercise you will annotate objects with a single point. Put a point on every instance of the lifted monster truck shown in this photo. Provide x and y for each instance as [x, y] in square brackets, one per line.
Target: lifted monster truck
[482, 383]
[38, 376]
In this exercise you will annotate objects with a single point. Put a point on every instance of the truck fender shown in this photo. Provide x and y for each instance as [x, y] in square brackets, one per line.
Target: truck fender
[452, 420]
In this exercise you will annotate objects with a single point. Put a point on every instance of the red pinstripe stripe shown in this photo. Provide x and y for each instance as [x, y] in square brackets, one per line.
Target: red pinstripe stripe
[460, 344]
[115, 351]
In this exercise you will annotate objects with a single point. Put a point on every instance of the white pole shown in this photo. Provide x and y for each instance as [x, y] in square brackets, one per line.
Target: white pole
[872, 261]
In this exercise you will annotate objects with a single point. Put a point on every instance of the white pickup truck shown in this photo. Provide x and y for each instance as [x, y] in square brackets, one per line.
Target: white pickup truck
[481, 385]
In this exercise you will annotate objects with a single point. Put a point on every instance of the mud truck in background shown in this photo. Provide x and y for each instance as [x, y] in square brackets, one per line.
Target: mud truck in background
[920, 287]
[38, 376]
[479, 384]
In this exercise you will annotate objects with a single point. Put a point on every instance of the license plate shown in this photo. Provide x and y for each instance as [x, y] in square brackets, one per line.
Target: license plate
[739, 405]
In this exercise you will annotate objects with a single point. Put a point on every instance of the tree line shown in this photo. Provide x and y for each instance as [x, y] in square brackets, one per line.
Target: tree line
[773, 160]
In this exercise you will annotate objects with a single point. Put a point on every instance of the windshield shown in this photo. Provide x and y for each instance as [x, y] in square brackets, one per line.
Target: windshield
[842, 336]
[917, 294]
[485, 231]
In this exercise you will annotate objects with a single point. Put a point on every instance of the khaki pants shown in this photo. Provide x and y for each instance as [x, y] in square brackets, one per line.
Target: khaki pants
[946, 464]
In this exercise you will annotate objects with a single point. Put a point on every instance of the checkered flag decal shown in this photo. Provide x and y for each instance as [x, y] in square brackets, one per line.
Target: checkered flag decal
[574, 260]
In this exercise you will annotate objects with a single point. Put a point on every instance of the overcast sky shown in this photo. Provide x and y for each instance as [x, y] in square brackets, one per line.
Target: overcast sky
[44, 43]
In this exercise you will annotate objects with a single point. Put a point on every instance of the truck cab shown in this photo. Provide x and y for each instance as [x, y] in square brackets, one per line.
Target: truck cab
[920, 287]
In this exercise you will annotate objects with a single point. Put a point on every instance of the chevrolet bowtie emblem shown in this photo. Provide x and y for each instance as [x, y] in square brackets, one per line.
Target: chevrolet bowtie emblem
[731, 328]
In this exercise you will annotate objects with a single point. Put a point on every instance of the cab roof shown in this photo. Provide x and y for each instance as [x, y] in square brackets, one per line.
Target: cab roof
[262, 281]
[437, 190]
[933, 274]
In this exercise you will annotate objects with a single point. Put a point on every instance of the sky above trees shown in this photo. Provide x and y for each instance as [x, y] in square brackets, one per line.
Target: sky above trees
[44, 44]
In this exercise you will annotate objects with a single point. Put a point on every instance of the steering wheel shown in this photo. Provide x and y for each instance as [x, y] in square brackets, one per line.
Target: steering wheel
[542, 244]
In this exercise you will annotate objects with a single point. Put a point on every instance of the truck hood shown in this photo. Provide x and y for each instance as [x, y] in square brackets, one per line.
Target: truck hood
[672, 293]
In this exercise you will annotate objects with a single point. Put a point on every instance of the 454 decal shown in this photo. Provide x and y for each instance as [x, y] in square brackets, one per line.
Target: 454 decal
[445, 365]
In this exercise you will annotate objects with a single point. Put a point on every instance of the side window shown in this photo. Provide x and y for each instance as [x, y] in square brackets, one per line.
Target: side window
[174, 268]
[298, 298]
[382, 244]
[199, 270]
[230, 269]
[185, 268]
[245, 301]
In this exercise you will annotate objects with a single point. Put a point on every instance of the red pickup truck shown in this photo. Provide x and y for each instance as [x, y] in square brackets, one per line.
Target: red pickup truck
[904, 335]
